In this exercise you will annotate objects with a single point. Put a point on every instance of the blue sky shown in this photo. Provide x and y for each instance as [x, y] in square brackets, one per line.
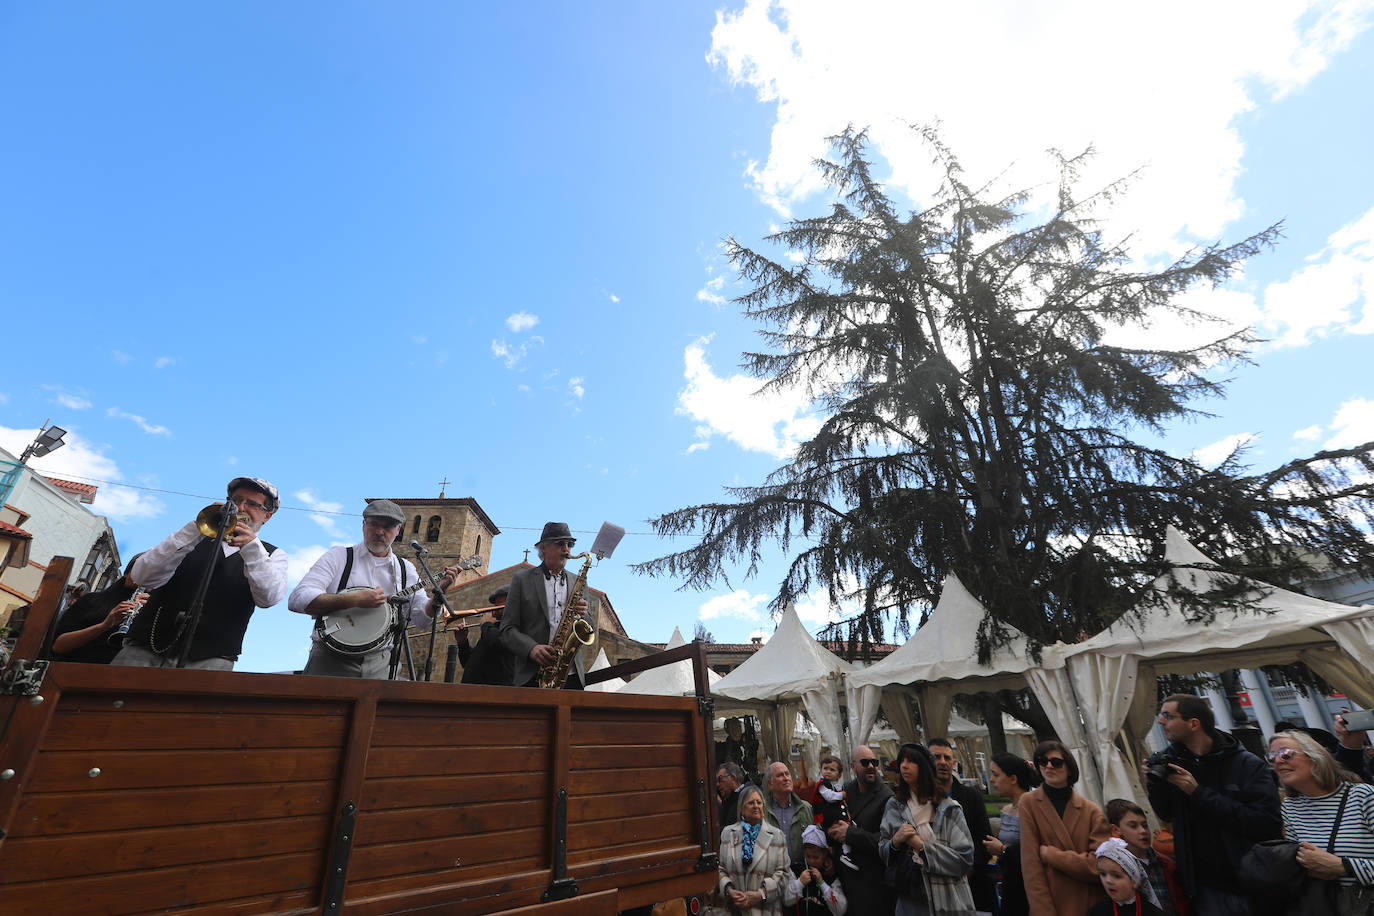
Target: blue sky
[358, 248]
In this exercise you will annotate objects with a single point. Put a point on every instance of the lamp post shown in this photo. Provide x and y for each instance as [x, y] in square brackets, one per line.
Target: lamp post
[49, 440]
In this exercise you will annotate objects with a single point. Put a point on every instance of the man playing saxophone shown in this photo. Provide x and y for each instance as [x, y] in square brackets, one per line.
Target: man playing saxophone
[535, 606]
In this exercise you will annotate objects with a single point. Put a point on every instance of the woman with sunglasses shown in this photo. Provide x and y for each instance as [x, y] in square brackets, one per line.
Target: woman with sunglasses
[925, 842]
[1314, 788]
[1060, 833]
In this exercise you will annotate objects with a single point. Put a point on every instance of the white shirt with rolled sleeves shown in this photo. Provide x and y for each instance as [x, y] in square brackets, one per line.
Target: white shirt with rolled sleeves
[369, 571]
[266, 573]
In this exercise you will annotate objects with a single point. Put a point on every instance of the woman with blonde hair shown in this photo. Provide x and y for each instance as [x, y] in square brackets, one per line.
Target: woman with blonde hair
[1326, 805]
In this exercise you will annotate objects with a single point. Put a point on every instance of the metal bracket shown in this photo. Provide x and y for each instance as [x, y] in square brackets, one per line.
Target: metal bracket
[707, 861]
[707, 707]
[23, 678]
[561, 887]
[343, 845]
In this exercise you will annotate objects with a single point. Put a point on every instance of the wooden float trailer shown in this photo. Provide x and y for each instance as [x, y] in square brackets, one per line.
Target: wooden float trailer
[134, 790]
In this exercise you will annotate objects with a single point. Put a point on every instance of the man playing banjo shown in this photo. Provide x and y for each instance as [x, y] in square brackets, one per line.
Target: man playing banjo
[347, 591]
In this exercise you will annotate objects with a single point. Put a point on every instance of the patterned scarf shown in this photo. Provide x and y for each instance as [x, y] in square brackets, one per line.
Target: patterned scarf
[750, 832]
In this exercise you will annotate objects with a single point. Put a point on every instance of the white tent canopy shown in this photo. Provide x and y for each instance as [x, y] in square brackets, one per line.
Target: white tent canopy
[1104, 671]
[673, 680]
[941, 660]
[789, 671]
[610, 686]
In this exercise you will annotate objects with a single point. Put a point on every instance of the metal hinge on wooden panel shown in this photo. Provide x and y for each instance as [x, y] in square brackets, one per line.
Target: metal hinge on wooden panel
[23, 678]
[561, 887]
[338, 872]
[707, 861]
[707, 707]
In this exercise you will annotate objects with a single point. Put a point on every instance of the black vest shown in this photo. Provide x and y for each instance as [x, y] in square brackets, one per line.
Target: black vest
[224, 620]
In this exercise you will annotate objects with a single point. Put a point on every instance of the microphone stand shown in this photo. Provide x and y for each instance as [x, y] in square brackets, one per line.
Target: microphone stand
[399, 640]
[420, 552]
[226, 518]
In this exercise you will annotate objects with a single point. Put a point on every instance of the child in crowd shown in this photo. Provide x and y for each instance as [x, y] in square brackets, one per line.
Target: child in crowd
[828, 803]
[1129, 823]
[814, 892]
[1123, 878]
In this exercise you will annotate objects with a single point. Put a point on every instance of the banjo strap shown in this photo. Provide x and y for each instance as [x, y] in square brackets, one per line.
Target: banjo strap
[348, 568]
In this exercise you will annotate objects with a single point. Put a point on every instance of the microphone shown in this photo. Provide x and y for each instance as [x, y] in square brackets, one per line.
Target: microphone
[419, 549]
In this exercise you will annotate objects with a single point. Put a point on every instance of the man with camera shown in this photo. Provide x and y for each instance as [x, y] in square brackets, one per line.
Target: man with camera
[1220, 799]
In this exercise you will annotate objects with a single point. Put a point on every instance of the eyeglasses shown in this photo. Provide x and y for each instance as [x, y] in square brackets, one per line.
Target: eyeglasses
[246, 503]
[380, 522]
[1284, 753]
[562, 542]
[1054, 763]
[868, 762]
[1169, 716]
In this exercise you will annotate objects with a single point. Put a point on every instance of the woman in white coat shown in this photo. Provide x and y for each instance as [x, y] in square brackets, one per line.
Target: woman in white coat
[754, 864]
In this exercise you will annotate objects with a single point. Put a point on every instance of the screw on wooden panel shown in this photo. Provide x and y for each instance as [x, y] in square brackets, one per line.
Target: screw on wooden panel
[6, 774]
[93, 772]
[36, 700]
[118, 704]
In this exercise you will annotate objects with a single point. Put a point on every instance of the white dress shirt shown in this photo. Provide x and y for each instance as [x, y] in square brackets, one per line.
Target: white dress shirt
[374, 572]
[266, 573]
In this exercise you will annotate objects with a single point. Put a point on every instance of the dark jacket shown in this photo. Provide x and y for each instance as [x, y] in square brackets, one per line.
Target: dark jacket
[87, 611]
[488, 662]
[1235, 806]
[980, 828]
[865, 888]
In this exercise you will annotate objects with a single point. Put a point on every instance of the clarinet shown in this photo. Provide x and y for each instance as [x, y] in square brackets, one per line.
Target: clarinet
[117, 637]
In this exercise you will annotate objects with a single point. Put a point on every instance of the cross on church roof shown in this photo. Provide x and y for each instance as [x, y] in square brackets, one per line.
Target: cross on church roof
[442, 484]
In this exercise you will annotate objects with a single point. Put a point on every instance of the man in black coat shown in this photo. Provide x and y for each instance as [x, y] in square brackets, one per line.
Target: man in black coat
[488, 662]
[979, 827]
[867, 797]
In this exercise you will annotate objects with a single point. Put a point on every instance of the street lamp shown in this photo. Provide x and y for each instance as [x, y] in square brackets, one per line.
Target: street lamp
[49, 440]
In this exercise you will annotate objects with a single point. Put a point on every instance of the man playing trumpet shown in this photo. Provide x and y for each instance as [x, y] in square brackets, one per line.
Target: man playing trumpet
[333, 585]
[248, 574]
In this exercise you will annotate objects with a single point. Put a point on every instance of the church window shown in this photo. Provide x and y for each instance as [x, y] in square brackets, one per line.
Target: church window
[432, 534]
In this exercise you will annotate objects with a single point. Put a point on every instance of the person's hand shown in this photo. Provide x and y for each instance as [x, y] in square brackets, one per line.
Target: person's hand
[543, 655]
[904, 835]
[805, 877]
[449, 577]
[240, 536]
[994, 846]
[839, 831]
[1348, 740]
[1180, 778]
[116, 615]
[738, 899]
[370, 597]
[1320, 863]
[1045, 854]
[580, 608]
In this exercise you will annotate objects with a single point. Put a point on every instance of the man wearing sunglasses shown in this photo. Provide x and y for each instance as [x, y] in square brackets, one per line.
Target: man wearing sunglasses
[1222, 802]
[248, 574]
[866, 797]
[535, 605]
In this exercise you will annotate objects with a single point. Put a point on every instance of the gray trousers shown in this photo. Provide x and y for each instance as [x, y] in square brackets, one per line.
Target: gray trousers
[326, 662]
[142, 657]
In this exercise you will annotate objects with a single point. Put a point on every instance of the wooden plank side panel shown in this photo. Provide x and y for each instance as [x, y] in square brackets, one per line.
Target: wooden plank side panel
[446, 791]
[68, 771]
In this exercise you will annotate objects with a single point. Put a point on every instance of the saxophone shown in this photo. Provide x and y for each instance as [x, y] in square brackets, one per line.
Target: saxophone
[573, 632]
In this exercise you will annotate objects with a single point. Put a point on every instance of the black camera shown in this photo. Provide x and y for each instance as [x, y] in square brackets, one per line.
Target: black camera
[1157, 766]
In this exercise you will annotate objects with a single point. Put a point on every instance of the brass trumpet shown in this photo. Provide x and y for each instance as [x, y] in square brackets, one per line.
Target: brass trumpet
[208, 520]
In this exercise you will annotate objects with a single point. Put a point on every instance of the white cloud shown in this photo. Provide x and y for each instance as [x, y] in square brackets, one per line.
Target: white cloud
[613, 297]
[299, 560]
[330, 523]
[152, 429]
[772, 422]
[1308, 433]
[698, 447]
[1214, 454]
[83, 461]
[513, 356]
[521, 321]
[66, 399]
[576, 388]
[815, 611]
[1334, 293]
[163, 362]
[1028, 93]
[1353, 424]
[120, 357]
[711, 292]
[738, 603]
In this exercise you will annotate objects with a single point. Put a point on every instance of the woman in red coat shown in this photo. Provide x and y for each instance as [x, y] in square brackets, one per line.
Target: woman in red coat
[1060, 833]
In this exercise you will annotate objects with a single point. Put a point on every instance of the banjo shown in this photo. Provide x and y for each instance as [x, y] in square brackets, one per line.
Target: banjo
[359, 630]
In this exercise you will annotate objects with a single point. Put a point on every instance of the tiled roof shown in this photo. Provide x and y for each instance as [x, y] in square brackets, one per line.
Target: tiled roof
[14, 531]
[85, 492]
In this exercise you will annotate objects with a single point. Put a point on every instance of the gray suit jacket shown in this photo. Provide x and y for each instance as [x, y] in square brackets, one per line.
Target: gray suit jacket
[526, 623]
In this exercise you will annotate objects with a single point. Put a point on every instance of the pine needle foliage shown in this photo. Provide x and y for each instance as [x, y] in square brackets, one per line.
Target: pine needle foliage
[976, 420]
